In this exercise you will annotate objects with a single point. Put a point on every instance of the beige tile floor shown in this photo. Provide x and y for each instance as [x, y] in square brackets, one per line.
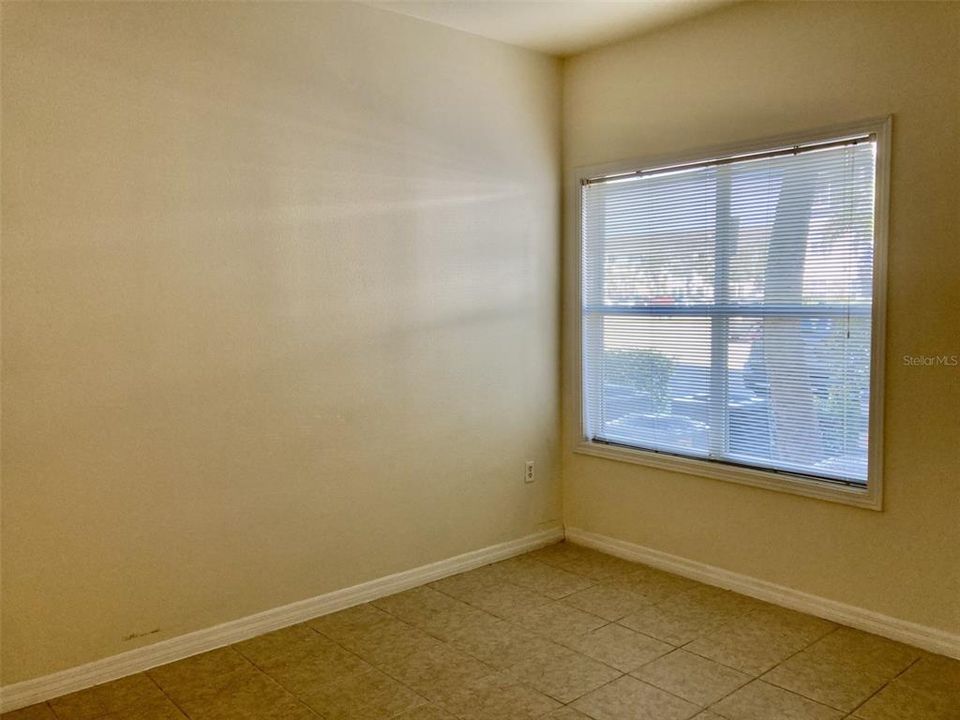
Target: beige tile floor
[562, 633]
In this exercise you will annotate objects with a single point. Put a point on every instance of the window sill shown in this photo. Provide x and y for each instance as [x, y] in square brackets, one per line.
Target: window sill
[782, 482]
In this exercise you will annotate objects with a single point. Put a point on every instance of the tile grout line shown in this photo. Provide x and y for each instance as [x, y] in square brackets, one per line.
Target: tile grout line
[559, 600]
[764, 672]
[514, 624]
[167, 695]
[786, 690]
[601, 582]
[884, 686]
[756, 678]
[256, 667]
[846, 714]
[753, 678]
[427, 701]
[295, 695]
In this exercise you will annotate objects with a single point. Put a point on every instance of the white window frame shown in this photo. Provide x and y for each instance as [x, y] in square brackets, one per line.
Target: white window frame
[871, 496]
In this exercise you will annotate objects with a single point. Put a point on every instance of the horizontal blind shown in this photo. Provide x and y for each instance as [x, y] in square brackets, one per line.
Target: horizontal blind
[726, 309]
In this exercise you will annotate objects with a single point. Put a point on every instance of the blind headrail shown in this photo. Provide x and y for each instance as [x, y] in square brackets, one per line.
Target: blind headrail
[792, 150]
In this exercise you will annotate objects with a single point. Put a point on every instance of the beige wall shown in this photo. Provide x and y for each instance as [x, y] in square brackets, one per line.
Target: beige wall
[755, 70]
[280, 310]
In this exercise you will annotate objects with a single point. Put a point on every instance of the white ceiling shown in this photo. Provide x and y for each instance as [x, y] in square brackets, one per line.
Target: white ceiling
[557, 27]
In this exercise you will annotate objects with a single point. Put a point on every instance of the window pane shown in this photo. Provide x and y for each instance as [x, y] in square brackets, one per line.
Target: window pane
[804, 406]
[655, 375]
[658, 241]
[726, 311]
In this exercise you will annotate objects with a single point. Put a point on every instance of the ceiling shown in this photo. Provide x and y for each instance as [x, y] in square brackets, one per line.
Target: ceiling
[557, 27]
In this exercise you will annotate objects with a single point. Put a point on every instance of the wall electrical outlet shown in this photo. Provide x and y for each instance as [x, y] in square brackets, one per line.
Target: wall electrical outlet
[528, 476]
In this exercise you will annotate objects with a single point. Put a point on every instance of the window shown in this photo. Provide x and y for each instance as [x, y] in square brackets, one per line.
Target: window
[730, 315]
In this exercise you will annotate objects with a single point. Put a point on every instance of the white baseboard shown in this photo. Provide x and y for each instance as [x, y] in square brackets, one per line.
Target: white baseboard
[921, 636]
[36, 690]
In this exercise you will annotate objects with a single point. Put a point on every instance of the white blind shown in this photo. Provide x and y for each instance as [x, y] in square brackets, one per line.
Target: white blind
[726, 309]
